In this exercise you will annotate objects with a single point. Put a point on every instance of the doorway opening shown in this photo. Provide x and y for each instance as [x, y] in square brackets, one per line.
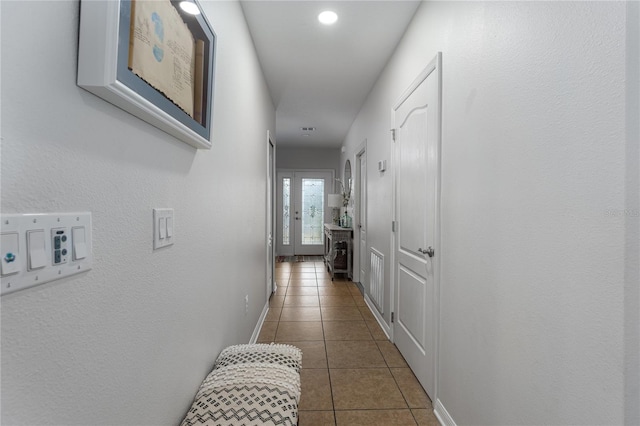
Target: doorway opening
[302, 210]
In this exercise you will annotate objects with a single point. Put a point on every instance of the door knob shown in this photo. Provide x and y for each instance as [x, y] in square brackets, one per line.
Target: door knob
[429, 251]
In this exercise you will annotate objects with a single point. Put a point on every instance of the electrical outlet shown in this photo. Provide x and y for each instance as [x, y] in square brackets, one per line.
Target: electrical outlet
[246, 304]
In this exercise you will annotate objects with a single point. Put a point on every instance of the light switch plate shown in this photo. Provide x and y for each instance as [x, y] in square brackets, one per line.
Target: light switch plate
[163, 228]
[46, 259]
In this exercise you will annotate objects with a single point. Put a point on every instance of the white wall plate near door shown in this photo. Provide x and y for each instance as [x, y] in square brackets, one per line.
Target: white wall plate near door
[40, 248]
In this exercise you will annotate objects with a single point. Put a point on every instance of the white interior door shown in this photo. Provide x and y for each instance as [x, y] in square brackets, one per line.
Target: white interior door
[271, 164]
[310, 189]
[361, 166]
[417, 139]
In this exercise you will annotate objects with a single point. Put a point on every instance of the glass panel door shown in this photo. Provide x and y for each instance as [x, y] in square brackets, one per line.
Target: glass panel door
[310, 209]
[301, 209]
[312, 215]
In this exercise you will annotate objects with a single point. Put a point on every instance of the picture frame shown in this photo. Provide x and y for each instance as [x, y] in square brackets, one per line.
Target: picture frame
[103, 69]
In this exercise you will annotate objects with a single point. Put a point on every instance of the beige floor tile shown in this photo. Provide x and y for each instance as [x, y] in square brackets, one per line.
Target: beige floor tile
[329, 283]
[273, 314]
[374, 418]
[303, 265]
[354, 354]
[413, 393]
[333, 291]
[300, 314]
[376, 331]
[281, 290]
[302, 291]
[341, 313]
[337, 301]
[323, 275]
[425, 417]
[354, 289]
[294, 331]
[316, 418]
[314, 354]
[346, 330]
[276, 301]
[366, 313]
[295, 275]
[293, 300]
[365, 388]
[359, 300]
[295, 282]
[316, 390]
[267, 332]
[391, 354]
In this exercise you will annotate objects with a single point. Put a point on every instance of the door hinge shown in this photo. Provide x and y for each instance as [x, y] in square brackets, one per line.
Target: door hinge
[392, 316]
[393, 134]
[393, 226]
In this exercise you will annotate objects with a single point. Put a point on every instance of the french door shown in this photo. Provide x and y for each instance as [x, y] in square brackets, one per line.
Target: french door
[302, 209]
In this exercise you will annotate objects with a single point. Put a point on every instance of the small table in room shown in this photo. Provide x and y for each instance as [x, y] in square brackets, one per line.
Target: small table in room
[337, 249]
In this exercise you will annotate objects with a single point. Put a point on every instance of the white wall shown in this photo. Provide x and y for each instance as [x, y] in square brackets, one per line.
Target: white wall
[308, 158]
[533, 180]
[632, 218]
[130, 341]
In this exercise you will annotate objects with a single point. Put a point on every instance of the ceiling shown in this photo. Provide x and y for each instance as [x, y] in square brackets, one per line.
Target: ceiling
[318, 75]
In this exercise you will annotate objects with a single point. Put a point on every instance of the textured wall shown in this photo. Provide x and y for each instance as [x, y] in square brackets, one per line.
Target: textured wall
[130, 341]
[533, 178]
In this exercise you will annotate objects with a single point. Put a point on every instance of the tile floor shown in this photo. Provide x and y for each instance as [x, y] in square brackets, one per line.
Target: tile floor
[351, 373]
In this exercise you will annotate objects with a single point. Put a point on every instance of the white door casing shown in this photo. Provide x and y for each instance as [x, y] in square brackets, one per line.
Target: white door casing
[271, 168]
[416, 119]
[361, 173]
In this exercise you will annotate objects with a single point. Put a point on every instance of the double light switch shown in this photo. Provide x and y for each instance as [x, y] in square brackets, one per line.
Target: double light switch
[162, 228]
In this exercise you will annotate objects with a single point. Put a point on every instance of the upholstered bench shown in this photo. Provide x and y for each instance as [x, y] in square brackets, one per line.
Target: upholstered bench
[250, 385]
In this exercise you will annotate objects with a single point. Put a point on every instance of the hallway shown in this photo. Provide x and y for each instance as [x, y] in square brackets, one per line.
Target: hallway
[352, 374]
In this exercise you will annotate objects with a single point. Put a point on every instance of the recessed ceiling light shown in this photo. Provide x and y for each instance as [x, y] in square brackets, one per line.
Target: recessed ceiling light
[328, 17]
[190, 7]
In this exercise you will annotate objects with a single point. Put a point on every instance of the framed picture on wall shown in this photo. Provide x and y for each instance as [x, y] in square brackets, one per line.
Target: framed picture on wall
[154, 60]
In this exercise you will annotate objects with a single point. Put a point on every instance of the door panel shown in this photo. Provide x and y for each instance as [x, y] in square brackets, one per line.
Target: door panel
[417, 124]
[310, 201]
[411, 313]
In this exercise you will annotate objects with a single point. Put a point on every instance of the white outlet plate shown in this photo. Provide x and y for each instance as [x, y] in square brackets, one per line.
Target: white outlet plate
[163, 228]
[69, 258]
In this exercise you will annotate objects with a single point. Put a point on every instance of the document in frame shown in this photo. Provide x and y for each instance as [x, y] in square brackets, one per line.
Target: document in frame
[162, 51]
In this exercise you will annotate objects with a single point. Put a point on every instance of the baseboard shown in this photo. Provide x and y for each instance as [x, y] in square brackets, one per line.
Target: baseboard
[385, 327]
[256, 331]
[443, 415]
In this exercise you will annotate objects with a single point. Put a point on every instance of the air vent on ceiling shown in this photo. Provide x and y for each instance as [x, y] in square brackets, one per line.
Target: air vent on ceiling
[307, 129]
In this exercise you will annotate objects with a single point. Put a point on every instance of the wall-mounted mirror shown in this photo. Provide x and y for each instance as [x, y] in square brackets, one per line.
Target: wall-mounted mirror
[347, 176]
